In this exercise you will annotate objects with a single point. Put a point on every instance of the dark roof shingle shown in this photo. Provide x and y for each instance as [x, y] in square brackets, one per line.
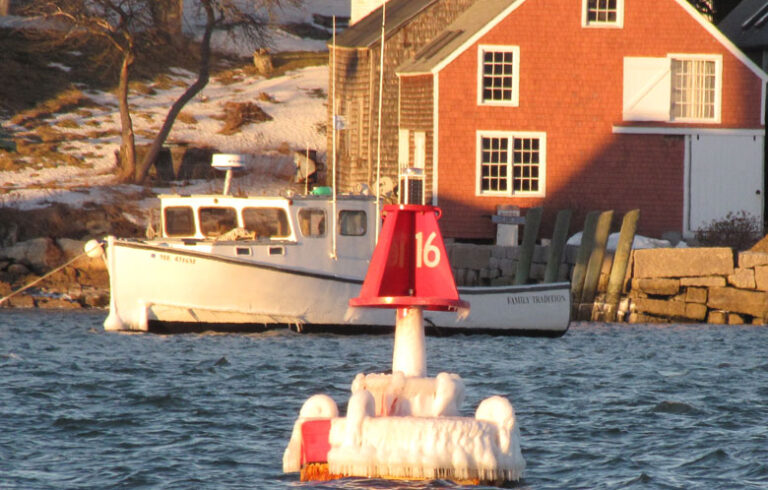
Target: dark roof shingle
[747, 24]
[367, 31]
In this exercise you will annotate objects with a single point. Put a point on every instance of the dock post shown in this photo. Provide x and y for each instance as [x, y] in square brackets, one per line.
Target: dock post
[595, 265]
[530, 233]
[559, 237]
[582, 257]
[620, 263]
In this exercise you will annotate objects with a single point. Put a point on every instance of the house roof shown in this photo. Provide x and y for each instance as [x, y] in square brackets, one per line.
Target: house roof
[367, 31]
[466, 26]
[747, 24]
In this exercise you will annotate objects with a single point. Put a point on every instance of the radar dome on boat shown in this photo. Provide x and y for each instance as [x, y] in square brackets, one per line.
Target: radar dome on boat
[227, 161]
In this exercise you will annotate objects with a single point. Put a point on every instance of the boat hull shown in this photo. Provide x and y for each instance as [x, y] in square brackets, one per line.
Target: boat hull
[165, 289]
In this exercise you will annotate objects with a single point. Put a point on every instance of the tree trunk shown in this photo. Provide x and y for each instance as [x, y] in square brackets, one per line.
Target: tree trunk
[202, 80]
[127, 156]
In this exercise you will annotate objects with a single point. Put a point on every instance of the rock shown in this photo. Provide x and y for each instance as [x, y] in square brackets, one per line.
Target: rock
[671, 309]
[73, 248]
[683, 262]
[540, 254]
[657, 286]
[696, 295]
[739, 300]
[499, 252]
[761, 277]
[716, 317]
[9, 233]
[470, 256]
[512, 253]
[735, 319]
[58, 303]
[262, 61]
[21, 301]
[704, 282]
[537, 271]
[18, 270]
[752, 259]
[742, 278]
[39, 253]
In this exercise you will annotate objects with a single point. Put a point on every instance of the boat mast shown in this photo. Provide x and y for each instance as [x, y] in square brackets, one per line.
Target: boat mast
[378, 138]
[333, 138]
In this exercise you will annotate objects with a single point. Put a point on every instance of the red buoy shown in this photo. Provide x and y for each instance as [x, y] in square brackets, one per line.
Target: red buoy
[410, 265]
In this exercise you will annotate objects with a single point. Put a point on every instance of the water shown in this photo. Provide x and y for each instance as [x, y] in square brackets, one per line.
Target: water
[603, 407]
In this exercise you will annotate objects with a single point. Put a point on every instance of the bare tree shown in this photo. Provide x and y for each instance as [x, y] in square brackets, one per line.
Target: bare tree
[715, 10]
[133, 27]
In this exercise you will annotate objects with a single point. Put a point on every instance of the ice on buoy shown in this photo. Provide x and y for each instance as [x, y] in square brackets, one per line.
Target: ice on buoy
[407, 425]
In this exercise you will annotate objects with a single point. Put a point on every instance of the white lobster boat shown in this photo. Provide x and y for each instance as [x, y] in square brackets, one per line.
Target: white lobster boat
[276, 268]
[231, 263]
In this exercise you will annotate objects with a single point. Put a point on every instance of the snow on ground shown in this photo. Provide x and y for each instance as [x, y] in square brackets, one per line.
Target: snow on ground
[296, 101]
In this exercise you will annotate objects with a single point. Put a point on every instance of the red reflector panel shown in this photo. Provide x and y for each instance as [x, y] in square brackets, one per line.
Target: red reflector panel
[314, 441]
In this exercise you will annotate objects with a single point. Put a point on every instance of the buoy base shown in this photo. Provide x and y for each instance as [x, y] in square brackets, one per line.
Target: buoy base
[319, 472]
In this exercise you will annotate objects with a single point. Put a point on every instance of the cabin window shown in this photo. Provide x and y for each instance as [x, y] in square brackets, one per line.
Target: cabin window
[511, 164]
[353, 223]
[312, 222]
[179, 221]
[217, 221]
[602, 13]
[498, 75]
[266, 222]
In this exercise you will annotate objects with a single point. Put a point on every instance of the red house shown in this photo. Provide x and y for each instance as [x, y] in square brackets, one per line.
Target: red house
[584, 104]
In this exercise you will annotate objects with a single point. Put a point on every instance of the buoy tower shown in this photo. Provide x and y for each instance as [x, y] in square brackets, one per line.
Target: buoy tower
[406, 425]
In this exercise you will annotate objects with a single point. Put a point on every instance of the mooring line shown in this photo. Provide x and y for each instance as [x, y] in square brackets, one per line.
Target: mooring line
[54, 271]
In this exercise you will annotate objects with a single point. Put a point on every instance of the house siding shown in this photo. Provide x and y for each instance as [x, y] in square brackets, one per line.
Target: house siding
[417, 115]
[357, 79]
[571, 85]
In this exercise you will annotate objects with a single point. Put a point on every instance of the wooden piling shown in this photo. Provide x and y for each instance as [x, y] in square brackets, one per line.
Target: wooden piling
[530, 233]
[620, 263]
[595, 265]
[559, 237]
[582, 257]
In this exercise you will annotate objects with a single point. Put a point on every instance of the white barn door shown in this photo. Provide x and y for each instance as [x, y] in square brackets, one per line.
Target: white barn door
[725, 175]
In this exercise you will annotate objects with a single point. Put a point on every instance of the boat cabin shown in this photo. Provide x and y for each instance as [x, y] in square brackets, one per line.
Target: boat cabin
[219, 219]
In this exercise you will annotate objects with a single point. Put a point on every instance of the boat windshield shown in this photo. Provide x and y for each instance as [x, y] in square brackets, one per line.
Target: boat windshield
[266, 222]
[179, 221]
[215, 221]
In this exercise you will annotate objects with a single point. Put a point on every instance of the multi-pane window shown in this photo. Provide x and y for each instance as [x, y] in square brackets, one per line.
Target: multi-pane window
[526, 155]
[603, 12]
[694, 86]
[494, 166]
[498, 77]
[511, 164]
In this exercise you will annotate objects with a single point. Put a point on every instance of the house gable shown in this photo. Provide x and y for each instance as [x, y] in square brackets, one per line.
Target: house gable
[571, 92]
[474, 24]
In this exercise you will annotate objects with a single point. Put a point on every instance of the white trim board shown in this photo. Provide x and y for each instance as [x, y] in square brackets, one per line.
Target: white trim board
[666, 130]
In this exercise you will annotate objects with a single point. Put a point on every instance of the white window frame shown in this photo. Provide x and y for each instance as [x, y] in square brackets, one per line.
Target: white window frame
[618, 24]
[419, 149]
[511, 136]
[403, 148]
[515, 50]
[718, 60]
